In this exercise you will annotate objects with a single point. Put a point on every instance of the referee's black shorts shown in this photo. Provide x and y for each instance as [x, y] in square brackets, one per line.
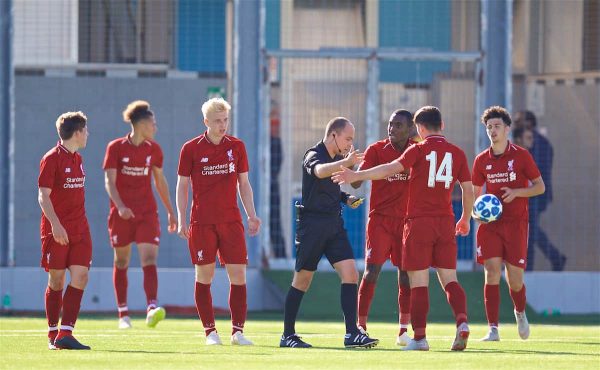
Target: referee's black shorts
[318, 234]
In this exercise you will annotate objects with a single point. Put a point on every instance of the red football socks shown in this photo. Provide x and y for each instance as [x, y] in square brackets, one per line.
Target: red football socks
[365, 297]
[120, 284]
[457, 300]
[204, 307]
[238, 307]
[53, 302]
[404, 307]
[519, 299]
[491, 294]
[419, 308]
[150, 285]
[71, 306]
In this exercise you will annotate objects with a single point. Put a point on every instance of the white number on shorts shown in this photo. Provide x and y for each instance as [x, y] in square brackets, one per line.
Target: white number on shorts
[443, 174]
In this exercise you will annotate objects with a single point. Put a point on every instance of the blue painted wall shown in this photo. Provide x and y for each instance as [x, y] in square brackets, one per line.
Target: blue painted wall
[273, 24]
[201, 36]
[414, 24]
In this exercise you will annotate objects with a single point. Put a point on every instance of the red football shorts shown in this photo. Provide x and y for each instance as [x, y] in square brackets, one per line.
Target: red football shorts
[503, 238]
[429, 242]
[384, 240]
[225, 239]
[59, 257]
[143, 228]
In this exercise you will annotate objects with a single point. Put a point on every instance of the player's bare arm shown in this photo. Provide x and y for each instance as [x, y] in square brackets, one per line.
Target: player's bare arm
[58, 231]
[347, 176]
[110, 184]
[463, 225]
[537, 187]
[325, 170]
[247, 197]
[162, 187]
[181, 200]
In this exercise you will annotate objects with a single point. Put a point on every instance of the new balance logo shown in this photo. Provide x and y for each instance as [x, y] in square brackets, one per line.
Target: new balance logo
[522, 261]
[157, 239]
[488, 167]
[479, 254]
[67, 170]
[204, 160]
[125, 159]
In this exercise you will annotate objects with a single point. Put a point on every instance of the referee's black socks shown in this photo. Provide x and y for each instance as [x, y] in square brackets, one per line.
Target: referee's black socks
[290, 310]
[349, 298]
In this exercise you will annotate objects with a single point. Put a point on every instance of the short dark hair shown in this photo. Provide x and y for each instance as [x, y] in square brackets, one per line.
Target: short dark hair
[402, 113]
[136, 111]
[69, 122]
[336, 125]
[430, 117]
[496, 112]
[529, 116]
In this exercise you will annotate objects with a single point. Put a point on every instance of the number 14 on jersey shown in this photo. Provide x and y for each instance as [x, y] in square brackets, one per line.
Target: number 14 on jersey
[443, 173]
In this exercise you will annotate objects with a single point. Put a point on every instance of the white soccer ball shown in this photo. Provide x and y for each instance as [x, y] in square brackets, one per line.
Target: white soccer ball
[487, 208]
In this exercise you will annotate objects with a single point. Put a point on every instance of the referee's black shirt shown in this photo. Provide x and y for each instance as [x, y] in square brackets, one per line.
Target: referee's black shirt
[321, 196]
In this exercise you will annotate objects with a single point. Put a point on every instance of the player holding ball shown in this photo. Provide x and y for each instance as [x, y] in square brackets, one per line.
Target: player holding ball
[508, 172]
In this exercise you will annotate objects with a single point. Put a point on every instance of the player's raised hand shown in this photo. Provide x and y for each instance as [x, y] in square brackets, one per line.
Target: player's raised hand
[462, 227]
[172, 223]
[60, 234]
[344, 176]
[254, 225]
[125, 213]
[354, 157]
[509, 194]
[183, 230]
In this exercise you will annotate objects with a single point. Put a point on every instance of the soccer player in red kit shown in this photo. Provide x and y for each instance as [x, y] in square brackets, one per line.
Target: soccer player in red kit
[387, 209]
[509, 172]
[216, 165]
[429, 231]
[129, 163]
[64, 229]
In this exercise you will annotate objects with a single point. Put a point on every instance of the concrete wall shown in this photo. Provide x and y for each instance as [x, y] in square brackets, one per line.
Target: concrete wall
[41, 98]
[569, 115]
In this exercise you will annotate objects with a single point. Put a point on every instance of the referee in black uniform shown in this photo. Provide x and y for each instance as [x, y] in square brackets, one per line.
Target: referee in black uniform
[320, 231]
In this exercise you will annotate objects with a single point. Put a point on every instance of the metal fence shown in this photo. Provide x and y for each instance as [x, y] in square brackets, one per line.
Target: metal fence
[358, 58]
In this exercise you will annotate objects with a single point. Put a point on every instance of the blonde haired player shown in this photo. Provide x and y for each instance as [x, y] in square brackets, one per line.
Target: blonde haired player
[216, 166]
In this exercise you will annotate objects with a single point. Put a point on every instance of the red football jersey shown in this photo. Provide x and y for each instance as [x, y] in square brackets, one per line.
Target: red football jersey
[214, 171]
[134, 171]
[63, 173]
[435, 166]
[514, 169]
[388, 196]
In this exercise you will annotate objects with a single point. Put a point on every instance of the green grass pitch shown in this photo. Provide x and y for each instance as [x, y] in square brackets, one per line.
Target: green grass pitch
[179, 343]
